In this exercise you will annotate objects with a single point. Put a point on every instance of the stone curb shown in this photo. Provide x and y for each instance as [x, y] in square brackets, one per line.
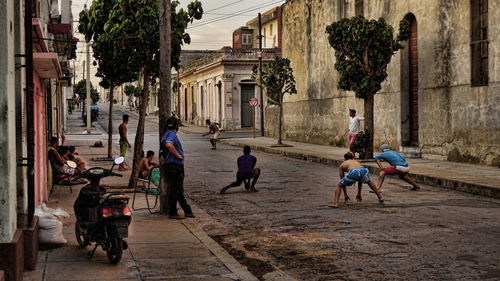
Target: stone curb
[229, 261]
[471, 188]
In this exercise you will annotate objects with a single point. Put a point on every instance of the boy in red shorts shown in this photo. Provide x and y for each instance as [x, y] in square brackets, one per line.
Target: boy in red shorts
[398, 167]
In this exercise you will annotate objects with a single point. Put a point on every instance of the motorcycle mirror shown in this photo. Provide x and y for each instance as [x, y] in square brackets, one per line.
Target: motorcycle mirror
[119, 160]
[71, 164]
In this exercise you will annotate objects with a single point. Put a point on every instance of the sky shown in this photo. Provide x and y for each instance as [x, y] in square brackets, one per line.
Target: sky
[212, 32]
[220, 19]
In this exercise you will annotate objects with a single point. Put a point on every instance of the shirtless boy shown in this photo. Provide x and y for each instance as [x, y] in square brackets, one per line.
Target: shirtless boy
[146, 165]
[351, 171]
[213, 129]
[124, 144]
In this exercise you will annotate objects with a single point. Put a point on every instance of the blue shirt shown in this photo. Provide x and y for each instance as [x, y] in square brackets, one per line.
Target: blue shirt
[393, 158]
[171, 137]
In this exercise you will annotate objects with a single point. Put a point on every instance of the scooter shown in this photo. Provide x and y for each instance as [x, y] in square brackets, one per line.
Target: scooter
[102, 218]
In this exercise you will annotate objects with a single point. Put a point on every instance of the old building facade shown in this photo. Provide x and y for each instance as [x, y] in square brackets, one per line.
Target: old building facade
[441, 99]
[218, 87]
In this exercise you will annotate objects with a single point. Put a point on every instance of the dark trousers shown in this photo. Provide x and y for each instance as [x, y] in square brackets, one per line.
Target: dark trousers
[175, 183]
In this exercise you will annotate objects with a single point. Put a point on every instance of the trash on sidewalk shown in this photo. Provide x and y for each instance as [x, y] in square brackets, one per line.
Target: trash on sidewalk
[51, 227]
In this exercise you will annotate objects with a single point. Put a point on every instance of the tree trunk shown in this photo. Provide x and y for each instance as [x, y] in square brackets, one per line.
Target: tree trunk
[139, 136]
[164, 96]
[82, 104]
[280, 121]
[369, 125]
[110, 123]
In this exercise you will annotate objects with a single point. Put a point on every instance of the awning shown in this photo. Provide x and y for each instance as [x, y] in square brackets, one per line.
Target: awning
[47, 65]
[39, 44]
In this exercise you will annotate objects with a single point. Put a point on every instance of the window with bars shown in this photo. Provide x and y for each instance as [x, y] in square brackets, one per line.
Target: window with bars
[359, 8]
[247, 39]
[342, 9]
[479, 42]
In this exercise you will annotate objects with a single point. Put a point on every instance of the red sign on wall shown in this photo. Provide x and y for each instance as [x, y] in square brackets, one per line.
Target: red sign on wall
[253, 102]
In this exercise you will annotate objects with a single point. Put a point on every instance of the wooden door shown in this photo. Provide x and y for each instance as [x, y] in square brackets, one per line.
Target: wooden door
[247, 91]
[413, 73]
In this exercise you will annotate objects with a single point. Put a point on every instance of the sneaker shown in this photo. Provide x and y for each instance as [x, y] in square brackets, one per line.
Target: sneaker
[190, 215]
[176, 217]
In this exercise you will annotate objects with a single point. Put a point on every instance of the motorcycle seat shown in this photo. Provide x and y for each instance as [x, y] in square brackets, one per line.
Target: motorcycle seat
[113, 196]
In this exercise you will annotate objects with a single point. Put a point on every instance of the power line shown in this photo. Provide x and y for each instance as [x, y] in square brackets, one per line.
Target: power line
[260, 6]
[230, 4]
[236, 14]
[221, 14]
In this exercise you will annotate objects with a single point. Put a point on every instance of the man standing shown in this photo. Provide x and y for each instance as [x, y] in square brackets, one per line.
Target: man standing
[213, 129]
[124, 144]
[246, 171]
[354, 124]
[351, 171]
[174, 169]
[398, 166]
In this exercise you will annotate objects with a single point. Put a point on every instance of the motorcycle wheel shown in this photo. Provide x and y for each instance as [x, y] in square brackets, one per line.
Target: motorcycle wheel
[115, 249]
[80, 237]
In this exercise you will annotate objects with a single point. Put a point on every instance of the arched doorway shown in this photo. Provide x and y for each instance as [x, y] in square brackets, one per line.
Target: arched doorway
[409, 86]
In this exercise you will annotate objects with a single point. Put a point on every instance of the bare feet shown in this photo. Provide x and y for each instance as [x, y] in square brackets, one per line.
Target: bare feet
[415, 188]
[122, 169]
[381, 199]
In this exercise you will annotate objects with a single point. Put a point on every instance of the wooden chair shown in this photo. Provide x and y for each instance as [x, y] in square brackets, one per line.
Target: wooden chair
[150, 187]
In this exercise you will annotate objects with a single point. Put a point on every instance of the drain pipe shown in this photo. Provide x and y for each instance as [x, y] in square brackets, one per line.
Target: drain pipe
[28, 37]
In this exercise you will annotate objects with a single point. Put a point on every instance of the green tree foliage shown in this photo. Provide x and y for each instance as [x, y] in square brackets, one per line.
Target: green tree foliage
[175, 86]
[134, 26]
[363, 49]
[277, 80]
[81, 90]
[131, 90]
[114, 66]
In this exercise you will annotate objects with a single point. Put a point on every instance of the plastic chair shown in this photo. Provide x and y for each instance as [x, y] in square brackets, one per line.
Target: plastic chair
[150, 187]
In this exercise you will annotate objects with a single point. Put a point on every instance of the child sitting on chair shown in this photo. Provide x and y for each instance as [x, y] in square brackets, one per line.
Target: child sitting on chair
[147, 165]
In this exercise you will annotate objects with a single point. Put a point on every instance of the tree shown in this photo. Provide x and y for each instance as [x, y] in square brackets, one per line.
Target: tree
[114, 66]
[363, 49]
[134, 25]
[81, 90]
[277, 80]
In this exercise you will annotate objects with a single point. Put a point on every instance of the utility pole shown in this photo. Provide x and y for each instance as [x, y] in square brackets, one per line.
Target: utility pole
[179, 95]
[164, 96]
[260, 79]
[83, 101]
[87, 86]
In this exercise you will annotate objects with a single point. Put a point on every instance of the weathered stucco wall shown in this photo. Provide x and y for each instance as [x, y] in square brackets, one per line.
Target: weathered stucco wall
[456, 121]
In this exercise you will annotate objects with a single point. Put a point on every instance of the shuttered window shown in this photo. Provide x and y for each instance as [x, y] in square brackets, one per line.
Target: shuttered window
[479, 42]
[359, 9]
[342, 9]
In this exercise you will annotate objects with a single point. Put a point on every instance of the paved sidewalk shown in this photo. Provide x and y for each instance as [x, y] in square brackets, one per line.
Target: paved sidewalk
[475, 179]
[159, 248]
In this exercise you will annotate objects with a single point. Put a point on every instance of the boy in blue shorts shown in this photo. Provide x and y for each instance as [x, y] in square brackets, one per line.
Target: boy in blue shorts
[351, 171]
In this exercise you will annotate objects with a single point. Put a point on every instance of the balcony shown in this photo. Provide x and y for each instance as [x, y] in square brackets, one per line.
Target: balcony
[228, 55]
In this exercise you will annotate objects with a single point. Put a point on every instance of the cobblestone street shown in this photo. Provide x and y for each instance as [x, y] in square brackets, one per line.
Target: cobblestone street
[432, 234]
